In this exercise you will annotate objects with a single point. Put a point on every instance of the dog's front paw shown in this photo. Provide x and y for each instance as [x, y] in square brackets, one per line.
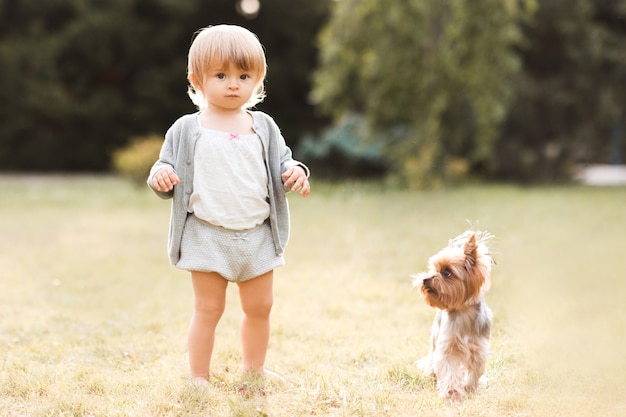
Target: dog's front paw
[454, 395]
[426, 365]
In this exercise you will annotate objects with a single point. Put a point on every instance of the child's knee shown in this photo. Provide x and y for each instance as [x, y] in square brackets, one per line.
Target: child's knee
[209, 310]
[258, 309]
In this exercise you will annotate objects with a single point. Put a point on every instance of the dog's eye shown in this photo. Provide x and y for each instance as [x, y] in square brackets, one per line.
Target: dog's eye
[446, 273]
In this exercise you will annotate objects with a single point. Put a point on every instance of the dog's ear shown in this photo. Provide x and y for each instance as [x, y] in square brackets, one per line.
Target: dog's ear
[475, 278]
[469, 250]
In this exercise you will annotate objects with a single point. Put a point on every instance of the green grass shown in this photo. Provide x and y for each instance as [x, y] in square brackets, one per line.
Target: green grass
[93, 319]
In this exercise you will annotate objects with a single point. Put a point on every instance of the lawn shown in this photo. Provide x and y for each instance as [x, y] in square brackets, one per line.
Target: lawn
[93, 320]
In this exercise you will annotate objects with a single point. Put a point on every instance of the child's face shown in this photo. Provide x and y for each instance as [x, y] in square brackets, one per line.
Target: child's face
[229, 88]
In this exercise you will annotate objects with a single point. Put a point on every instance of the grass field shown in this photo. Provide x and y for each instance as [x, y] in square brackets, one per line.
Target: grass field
[93, 319]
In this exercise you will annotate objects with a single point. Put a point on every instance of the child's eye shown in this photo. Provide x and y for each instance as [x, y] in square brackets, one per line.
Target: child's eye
[221, 76]
[244, 76]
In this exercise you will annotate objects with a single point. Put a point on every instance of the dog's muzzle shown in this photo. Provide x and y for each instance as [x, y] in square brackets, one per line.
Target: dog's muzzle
[428, 287]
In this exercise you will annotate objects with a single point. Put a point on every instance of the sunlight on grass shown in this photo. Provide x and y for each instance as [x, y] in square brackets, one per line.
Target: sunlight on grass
[93, 320]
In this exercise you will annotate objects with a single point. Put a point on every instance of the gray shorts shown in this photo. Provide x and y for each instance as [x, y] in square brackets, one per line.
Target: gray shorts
[237, 255]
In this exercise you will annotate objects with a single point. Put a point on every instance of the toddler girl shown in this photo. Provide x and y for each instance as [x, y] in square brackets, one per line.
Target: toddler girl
[227, 169]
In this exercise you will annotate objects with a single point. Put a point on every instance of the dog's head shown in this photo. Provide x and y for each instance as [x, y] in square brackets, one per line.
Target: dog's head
[459, 274]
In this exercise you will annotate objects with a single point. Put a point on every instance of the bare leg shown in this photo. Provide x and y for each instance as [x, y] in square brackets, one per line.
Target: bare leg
[209, 290]
[256, 297]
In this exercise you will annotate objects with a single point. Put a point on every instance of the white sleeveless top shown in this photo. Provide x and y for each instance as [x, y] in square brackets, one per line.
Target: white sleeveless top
[230, 180]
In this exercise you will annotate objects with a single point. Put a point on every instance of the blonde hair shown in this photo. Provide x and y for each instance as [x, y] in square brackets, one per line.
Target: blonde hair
[218, 46]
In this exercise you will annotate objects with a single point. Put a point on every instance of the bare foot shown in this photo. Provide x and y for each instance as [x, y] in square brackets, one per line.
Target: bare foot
[199, 382]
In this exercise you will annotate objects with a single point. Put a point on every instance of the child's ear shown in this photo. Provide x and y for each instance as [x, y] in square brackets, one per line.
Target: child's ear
[192, 80]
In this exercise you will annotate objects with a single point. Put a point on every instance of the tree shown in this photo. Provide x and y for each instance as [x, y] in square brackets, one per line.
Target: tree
[441, 70]
[81, 78]
[571, 96]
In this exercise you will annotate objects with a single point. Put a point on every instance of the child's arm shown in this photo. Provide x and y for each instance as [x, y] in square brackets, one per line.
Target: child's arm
[163, 177]
[295, 174]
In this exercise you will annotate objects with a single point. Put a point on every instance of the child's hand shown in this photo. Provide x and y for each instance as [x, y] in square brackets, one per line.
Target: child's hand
[164, 180]
[296, 178]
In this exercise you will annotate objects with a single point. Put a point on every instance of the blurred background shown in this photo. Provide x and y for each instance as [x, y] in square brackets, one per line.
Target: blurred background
[416, 92]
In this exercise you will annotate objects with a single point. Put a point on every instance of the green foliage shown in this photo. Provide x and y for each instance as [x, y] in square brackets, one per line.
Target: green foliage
[81, 77]
[571, 97]
[521, 90]
[135, 160]
[340, 151]
[440, 69]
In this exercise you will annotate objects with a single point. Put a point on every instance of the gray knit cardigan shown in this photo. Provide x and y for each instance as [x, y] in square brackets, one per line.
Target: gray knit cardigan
[177, 153]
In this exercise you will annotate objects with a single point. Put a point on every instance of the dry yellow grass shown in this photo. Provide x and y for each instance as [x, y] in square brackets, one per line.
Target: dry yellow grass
[93, 320]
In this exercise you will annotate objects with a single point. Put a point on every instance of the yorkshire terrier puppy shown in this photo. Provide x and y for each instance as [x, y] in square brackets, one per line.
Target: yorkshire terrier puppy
[455, 284]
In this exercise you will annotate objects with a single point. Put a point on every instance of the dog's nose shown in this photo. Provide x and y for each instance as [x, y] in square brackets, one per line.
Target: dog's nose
[427, 282]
